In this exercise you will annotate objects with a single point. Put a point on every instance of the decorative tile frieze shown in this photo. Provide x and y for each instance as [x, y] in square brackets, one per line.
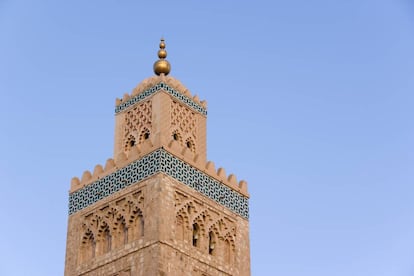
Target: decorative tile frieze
[159, 161]
[162, 86]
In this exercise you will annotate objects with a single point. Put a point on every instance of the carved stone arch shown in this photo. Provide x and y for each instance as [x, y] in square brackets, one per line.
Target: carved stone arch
[139, 199]
[199, 224]
[190, 143]
[184, 214]
[120, 231]
[134, 213]
[180, 228]
[190, 209]
[212, 242]
[144, 134]
[208, 218]
[177, 136]
[228, 249]
[88, 225]
[130, 142]
[104, 238]
[130, 206]
[135, 224]
[87, 247]
[183, 118]
[93, 222]
[222, 226]
[111, 215]
[230, 232]
[214, 228]
[230, 237]
[201, 220]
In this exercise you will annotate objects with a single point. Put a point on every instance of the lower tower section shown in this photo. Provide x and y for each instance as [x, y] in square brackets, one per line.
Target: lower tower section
[157, 215]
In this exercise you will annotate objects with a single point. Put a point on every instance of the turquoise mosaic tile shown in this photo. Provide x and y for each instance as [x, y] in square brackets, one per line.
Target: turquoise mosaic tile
[155, 162]
[162, 86]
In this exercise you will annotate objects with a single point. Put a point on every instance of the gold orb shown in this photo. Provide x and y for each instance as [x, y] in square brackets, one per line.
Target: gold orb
[162, 53]
[162, 67]
[162, 44]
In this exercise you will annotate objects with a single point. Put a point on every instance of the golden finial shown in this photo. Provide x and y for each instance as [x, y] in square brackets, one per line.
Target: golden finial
[162, 66]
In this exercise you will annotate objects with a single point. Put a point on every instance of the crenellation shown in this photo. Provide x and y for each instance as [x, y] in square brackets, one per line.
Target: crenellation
[210, 168]
[154, 80]
[196, 99]
[243, 187]
[97, 172]
[185, 91]
[221, 174]
[147, 147]
[232, 180]
[75, 184]
[126, 97]
[86, 176]
[109, 165]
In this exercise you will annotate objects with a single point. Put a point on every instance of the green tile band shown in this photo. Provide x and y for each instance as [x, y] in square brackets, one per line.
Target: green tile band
[155, 162]
[162, 86]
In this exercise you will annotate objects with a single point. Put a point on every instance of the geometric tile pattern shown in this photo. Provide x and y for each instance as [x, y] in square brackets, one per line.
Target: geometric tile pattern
[159, 161]
[182, 98]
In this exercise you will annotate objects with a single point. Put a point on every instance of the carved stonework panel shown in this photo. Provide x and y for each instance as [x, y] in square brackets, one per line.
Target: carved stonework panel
[205, 228]
[137, 124]
[183, 125]
[111, 226]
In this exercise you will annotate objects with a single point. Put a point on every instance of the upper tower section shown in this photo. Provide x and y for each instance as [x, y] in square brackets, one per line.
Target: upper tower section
[160, 110]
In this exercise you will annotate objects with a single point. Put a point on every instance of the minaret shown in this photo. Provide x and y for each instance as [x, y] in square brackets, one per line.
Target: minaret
[158, 207]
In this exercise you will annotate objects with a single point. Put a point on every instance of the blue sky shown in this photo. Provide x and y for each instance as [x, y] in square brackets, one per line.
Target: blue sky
[310, 101]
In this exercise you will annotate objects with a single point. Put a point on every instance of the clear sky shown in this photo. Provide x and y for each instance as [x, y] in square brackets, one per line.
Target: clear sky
[311, 102]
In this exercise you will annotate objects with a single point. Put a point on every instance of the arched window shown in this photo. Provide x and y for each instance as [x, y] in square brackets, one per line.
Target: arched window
[145, 134]
[118, 234]
[129, 143]
[88, 247]
[107, 241]
[176, 136]
[136, 227]
[179, 228]
[227, 251]
[196, 233]
[141, 224]
[125, 235]
[190, 144]
[211, 243]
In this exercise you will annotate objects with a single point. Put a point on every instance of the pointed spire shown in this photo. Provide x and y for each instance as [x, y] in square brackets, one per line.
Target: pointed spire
[162, 66]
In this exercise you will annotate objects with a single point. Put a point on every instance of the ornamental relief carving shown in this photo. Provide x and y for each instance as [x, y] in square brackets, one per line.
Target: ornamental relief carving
[137, 125]
[183, 125]
[204, 228]
[111, 227]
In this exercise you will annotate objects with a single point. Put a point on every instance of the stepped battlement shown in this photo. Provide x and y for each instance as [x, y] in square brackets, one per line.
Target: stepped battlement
[173, 147]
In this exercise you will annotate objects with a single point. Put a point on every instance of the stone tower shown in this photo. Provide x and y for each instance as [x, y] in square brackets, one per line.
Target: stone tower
[158, 207]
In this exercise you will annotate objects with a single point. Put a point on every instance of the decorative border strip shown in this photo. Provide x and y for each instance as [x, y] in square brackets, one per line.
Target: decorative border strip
[159, 161]
[184, 99]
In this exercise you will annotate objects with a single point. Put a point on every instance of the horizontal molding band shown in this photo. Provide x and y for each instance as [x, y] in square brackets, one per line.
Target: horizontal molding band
[159, 161]
[162, 86]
